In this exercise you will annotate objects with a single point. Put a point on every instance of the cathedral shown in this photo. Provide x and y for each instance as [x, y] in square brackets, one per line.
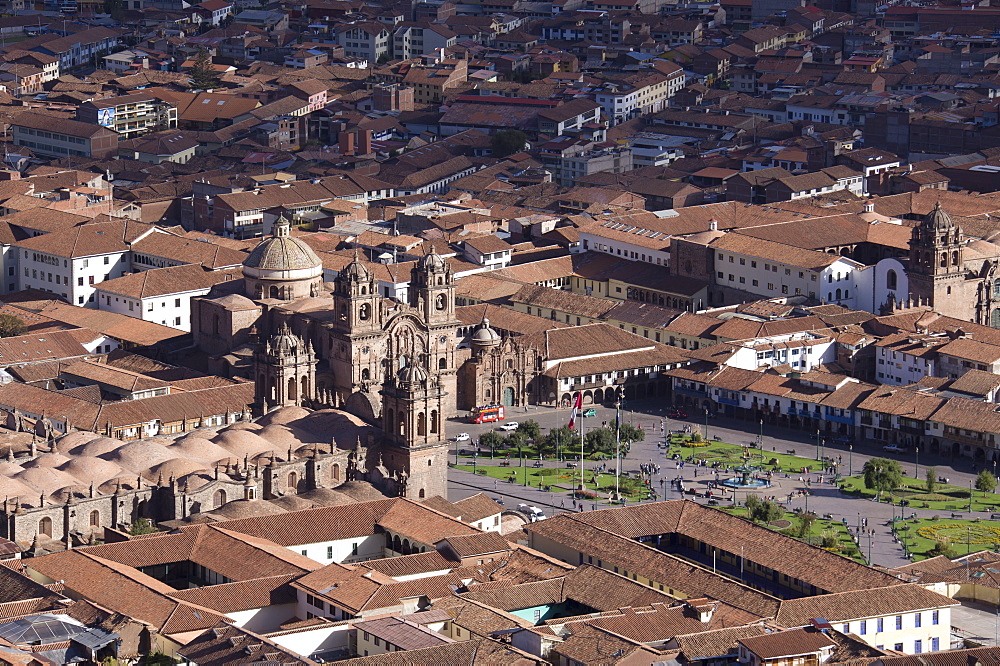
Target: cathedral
[393, 364]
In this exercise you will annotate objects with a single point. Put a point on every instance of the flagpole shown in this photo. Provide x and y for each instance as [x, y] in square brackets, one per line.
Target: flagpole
[618, 455]
[582, 487]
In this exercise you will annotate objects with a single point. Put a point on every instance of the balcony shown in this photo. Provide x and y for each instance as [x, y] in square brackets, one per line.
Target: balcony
[727, 401]
[683, 390]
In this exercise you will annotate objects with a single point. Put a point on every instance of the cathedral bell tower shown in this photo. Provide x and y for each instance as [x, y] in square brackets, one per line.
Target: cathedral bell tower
[432, 289]
[285, 371]
[356, 299]
[413, 405]
[937, 264]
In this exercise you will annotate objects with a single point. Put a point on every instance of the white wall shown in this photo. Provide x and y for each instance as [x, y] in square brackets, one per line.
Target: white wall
[263, 620]
[342, 550]
[310, 641]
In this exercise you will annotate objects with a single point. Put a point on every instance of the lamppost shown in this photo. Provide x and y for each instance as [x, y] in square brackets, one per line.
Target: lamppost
[870, 533]
[859, 522]
[970, 495]
[822, 455]
[706, 424]
[916, 466]
[850, 460]
[817, 443]
[760, 437]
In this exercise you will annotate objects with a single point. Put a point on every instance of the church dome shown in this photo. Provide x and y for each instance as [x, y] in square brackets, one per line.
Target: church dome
[283, 257]
[484, 335]
[413, 374]
[356, 270]
[938, 219]
[433, 261]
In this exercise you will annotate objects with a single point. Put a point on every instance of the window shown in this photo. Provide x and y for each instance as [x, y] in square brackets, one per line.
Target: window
[899, 622]
[864, 627]
[935, 617]
[917, 620]
[898, 647]
[935, 644]
[107, 260]
[879, 625]
[918, 646]
[847, 628]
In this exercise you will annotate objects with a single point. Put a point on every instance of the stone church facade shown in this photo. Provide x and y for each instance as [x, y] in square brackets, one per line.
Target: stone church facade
[393, 364]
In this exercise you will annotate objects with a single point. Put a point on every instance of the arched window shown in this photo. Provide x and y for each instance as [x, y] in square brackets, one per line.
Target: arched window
[95, 518]
[847, 293]
[435, 426]
[305, 387]
[838, 294]
[45, 526]
[219, 499]
[402, 424]
[510, 364]
[335, 473]
[366, 374]
[421, 424]
[364, 290]
[944, 259]
[891, 280]
[421, 494]
[365, 312]
[274, 292]
[291, 389]
[293, 482]
[390, 418]
[954, 258]
[442, 363]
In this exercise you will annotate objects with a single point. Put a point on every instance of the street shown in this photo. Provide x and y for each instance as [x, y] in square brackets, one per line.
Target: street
[823, 498]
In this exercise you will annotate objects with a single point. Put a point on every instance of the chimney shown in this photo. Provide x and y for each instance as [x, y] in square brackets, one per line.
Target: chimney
[713, 224]
[346, 140]
[869, 206]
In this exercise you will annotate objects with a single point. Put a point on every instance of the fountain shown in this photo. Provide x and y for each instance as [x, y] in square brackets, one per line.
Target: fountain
[745, 475]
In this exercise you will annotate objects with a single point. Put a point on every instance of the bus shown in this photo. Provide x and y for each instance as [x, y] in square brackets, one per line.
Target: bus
[487, 414]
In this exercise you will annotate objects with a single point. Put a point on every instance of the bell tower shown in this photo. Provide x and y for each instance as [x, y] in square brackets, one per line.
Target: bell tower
[356, 299]
[285, 370]
[937, 264]
[413, 404]
[433, 289]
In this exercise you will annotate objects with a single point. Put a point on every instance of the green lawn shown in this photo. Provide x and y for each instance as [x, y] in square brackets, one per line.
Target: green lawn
[789, 524]
[945, 498]
[732, 455]
[964, 536]
[561, 479]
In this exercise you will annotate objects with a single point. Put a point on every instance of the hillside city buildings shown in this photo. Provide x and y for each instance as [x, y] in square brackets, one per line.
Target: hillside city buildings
[259, 261]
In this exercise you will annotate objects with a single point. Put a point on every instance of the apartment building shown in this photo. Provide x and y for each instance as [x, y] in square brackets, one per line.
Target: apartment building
[369, 40]
[129, 115]
[640, 94]
[49, 136]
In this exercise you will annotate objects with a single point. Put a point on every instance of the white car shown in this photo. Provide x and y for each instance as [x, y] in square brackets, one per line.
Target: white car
[892, 448]
[462, 437]
[510, 425]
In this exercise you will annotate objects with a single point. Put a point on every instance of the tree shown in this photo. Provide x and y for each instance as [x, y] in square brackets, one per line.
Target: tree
[203, 77]
[530, 428]
[516, 440]
[753, 503]
[764, 511]
[629, 433]
[931, 479]
[559, 440]
[507, 142]
[491, 440]
[806, 521]
[986, 482]
[881, 475]
[599, 439]
[11, 325]
[141, 526]
[942, 547]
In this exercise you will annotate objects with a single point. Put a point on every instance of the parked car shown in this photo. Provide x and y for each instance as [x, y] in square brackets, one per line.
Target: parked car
[534, 513]
[462, 437]
[510, 425]
[892, 448]
[590, 412]
[497, 500]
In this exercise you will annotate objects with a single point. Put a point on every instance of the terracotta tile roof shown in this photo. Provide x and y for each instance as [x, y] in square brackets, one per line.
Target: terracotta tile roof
[658, 356]
[165, 281]
[408, 565]
[973, 350]
[788, 643]
[597, 339]
[40, 346]
[190, 251]
[787, 254]
[88, 239]
[225, 644]
[114, 325]
[902, 402]
[475, 507]
[241, 595]
[501, 318]
[477, 617]
[975, 382]
[477, 544]
[403, 633]
[136, 594]
[476, 652]
[589, 644]
[860, 603]
[718, 643]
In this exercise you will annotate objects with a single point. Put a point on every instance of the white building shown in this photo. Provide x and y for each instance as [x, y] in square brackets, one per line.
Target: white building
[161, 295]
[773, 269]
[72, 262]
[906, 358]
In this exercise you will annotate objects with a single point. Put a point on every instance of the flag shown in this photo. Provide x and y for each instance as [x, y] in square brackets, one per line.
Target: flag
[576, 410]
